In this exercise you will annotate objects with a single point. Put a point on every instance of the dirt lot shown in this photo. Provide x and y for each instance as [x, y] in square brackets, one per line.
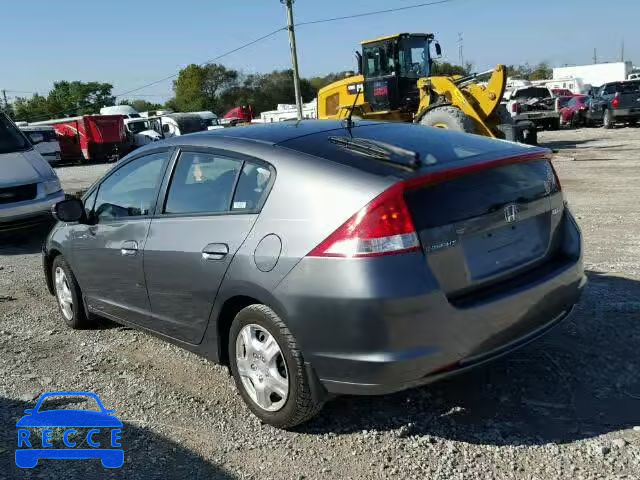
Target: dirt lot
[564, 407]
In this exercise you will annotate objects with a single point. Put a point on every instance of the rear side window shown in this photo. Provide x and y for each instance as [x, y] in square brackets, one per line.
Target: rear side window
[480, 193]
[252, 187]
[202, 183]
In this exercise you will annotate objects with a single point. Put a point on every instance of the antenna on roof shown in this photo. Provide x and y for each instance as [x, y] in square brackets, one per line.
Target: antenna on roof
[349, 120]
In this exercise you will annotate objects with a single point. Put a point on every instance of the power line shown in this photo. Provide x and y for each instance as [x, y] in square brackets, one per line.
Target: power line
[264, 37]
[367, 14]
[173, 75]
[169, 77]
[313, 22]
[21, 91]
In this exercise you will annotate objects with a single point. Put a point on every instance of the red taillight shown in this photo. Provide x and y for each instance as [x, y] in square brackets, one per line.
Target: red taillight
[515, 107]
[383, 227]
[615, 103]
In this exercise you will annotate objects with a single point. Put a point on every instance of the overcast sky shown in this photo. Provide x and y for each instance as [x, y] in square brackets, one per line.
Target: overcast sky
[133, 42]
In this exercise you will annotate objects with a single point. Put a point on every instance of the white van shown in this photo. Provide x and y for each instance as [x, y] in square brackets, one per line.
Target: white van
[45, 141]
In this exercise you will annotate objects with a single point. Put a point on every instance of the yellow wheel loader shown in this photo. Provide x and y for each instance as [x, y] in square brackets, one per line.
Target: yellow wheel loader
[394, 83]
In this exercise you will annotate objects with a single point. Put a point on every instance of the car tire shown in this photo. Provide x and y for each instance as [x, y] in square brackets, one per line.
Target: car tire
[450, 118]
[554, 125]
[576, 120]
[68, 294]
[607, 120]
[251, 367]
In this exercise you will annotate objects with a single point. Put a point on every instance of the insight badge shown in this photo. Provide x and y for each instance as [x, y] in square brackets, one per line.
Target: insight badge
[85, 433]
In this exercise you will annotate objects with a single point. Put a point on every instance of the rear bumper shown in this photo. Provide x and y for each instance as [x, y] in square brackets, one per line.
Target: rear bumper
[379, 326]
[621, 114]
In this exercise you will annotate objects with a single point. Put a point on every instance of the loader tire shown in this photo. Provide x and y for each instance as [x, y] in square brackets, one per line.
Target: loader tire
[450, 118]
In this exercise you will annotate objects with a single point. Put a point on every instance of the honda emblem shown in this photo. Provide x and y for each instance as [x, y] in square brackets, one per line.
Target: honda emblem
[511, 213]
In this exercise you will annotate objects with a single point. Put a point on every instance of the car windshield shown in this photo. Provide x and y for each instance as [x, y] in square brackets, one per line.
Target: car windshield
[533, 92]
[47, 135]
[11, 139]
[137, 127]
[67, 402]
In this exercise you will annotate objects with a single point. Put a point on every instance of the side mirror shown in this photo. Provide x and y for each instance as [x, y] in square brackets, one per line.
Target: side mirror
[36, 138]
[438, 50]
[69, 210]
[29, 411]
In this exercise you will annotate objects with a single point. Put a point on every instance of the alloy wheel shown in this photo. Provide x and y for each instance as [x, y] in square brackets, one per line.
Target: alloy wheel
[262, 367]
[63, 293]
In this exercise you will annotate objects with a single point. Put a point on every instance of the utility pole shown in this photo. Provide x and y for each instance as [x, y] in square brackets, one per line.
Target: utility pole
[294, 55]
[595, 55]
[460, 52]
[622, 51]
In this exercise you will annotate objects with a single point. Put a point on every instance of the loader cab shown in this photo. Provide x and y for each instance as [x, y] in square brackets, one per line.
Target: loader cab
[391, 67]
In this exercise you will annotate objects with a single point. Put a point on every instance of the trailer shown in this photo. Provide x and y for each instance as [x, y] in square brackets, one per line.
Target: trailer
[596, 74]
[90, 137]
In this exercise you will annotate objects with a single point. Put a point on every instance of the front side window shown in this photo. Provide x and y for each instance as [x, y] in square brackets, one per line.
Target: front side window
[11, 139]
[131, 190]
[202, 183]
[414, 58]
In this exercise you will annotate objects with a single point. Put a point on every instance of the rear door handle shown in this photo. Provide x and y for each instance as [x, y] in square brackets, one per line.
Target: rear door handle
[129, 248]
[215, 251]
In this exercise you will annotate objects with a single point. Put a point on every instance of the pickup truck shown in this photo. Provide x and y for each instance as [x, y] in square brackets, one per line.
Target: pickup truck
[615, 102]
[534, 104]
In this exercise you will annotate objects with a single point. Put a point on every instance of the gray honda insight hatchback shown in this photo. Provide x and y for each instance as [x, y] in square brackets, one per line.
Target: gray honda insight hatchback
[319, 257]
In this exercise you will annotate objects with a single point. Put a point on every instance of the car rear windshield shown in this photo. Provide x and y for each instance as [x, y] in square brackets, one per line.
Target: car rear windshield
[480, 193]
[47, 135]
[532, 92]
[11, 139]
[435, 147]
[627, 87]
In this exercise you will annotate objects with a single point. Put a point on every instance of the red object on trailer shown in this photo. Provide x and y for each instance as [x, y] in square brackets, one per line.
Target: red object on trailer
[90, 137]
[242, 114]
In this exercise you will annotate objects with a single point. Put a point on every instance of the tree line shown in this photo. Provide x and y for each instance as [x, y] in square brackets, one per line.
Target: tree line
[212, 87]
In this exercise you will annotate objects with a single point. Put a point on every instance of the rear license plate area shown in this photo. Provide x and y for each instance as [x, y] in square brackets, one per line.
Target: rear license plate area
[493, 251]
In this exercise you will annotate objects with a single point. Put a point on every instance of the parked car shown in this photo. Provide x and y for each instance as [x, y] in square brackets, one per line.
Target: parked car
[615, 102]
[45, 141]
[315, 258]
[574, 109]
[534, 104]
[29, 187]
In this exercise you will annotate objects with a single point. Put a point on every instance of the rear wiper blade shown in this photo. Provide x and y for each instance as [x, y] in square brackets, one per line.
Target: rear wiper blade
[381, 151]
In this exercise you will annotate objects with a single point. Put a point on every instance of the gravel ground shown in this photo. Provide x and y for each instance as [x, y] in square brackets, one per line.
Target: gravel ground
[76, 178]
[564, 407]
